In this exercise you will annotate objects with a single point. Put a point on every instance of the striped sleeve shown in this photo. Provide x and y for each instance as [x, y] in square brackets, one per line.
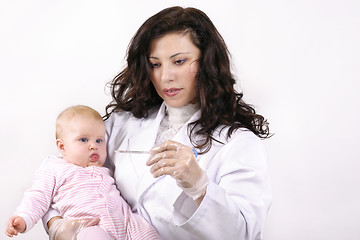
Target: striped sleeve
[37, 198]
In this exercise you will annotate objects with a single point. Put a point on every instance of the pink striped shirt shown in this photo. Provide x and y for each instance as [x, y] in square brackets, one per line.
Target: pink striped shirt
[77, 192]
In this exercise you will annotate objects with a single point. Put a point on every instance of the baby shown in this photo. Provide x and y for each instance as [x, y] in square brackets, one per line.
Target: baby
[78, 186]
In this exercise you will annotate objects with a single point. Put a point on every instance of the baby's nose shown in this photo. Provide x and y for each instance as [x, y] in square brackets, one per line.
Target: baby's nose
[92, 147]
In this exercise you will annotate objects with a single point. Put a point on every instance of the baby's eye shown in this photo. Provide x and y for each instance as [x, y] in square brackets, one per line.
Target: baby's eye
[99, 140]
[180, 61]
[83, 139]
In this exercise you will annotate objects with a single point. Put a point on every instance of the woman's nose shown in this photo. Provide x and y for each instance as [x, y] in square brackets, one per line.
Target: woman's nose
[167, 73]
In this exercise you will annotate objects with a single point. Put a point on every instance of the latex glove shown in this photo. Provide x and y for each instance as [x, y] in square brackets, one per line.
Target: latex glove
[179, 161]
[64, 229]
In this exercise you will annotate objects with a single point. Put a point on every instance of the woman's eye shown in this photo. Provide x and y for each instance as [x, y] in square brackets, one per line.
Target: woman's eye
[155, 65]
[180, 61]
[99, 140]
[83, 139]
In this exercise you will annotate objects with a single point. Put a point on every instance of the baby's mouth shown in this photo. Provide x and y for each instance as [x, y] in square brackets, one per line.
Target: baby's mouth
[94, 157]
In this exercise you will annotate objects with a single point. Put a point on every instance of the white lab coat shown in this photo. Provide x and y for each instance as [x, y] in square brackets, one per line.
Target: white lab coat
[237, 198]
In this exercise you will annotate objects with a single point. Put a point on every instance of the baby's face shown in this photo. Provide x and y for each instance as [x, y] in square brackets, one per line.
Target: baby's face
[84, 142]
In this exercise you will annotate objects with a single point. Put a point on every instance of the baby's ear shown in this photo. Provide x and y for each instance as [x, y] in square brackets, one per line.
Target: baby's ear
[60, 145]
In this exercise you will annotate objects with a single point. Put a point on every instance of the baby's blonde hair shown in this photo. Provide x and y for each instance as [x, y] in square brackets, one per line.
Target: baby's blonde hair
[69, 114]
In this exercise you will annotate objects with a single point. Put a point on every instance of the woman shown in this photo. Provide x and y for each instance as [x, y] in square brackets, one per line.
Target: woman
[207, 176]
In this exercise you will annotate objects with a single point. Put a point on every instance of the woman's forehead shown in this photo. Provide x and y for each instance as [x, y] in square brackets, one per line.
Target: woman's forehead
[172, 44]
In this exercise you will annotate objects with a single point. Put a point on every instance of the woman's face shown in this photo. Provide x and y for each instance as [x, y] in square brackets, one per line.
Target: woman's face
[173, 58]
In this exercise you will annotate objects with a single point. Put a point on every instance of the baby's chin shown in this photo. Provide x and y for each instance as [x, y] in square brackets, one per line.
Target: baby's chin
[96, 164]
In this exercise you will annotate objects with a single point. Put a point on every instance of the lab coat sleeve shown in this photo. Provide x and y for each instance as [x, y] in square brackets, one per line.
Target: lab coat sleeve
[49, 215]
[238, 196]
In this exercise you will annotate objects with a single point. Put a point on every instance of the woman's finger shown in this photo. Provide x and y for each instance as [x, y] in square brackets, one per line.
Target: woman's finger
[159, 156]
[167, 146]
[170, 170]
[177, 170]
[164, 162]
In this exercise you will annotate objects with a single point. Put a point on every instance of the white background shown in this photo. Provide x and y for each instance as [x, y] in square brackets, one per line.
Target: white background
[296, 61]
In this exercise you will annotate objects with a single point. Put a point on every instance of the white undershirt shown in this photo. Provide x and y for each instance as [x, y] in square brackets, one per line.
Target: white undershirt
[174, 119]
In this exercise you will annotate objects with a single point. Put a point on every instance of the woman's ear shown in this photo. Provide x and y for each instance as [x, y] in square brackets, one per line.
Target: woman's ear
[60, 145]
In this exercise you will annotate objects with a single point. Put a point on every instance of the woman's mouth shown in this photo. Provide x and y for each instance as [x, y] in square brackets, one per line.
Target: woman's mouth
[170, 92]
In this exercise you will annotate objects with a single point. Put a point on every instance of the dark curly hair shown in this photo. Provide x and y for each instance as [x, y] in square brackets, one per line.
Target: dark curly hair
[220, 104]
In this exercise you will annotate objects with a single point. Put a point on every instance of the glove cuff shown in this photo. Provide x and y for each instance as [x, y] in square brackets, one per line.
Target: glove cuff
[196, 191]
[55, 228]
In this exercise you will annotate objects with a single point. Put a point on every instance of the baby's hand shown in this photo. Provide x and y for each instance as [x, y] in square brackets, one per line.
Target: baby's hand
[14, 226]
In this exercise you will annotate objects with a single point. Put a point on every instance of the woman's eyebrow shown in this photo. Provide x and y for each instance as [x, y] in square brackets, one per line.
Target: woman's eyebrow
[176, 54]
[172, 56]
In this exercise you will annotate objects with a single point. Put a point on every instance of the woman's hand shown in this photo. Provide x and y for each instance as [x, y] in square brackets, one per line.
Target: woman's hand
[178, 161]
[62, 229]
